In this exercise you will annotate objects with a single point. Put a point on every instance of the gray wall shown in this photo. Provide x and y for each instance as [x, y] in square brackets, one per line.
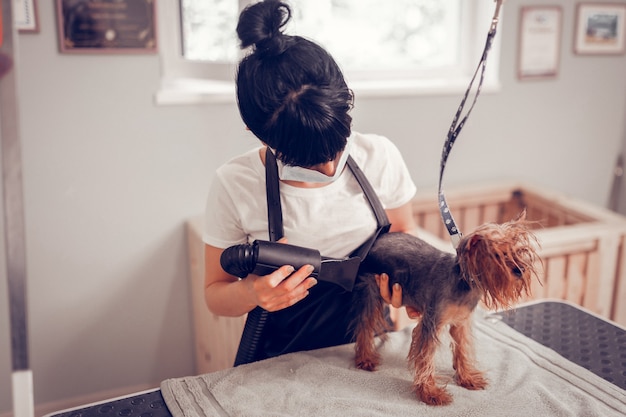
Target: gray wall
[109, 179]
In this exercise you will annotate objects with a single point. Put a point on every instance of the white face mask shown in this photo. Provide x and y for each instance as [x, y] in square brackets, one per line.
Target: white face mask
[296, 173]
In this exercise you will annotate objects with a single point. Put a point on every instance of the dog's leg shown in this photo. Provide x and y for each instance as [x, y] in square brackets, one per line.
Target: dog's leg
[424, 344]
[371, 323]
[463, 359]
[366, 356]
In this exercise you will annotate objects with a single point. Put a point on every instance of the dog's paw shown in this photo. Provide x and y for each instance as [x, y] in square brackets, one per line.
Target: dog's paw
[473, 381]
[366, 364]
[433, 395]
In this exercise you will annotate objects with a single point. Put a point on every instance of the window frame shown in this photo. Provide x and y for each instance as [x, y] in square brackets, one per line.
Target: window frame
[189, 82]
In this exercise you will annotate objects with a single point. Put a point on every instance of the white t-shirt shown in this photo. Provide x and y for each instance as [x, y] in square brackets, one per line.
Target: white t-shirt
[334, 219]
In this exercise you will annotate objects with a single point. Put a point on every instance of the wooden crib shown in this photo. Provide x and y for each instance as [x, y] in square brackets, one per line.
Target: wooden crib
[582, 245]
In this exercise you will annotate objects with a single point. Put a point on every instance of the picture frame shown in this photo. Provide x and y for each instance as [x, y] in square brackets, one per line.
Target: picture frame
[26, 16]
[107, 26]
[600, 29]
[539, 49]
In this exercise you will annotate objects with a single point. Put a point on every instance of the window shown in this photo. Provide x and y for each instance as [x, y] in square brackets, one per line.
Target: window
[384, 47]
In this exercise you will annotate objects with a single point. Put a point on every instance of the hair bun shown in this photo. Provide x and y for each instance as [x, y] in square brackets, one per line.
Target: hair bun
[260, 24]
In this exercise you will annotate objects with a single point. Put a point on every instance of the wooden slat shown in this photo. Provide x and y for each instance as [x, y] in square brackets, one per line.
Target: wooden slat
[618, 311]
[433, 224]
[607, 268]
[555, 277]
[572, 239]
[538, 287]
[491, 213]
[471, 219]
[590, 297]
[577, 275]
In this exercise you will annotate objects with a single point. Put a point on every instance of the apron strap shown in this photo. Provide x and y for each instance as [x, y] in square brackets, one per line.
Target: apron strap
[274, 210]
[252, 334]
[377, 208]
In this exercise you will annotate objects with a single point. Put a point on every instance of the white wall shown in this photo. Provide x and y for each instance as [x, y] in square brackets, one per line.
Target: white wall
[109, 179]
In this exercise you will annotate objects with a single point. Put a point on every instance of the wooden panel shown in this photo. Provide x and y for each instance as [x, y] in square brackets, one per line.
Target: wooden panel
[538, 287]
[196, 265]
[471, 219]
[432, 223]
[576, 277]
[608, 248]
[216, 338]
[555, 277]
[555, 218]
[218, 347]
[536, 213]
[618, 312]
[491, 213]
[590, 298]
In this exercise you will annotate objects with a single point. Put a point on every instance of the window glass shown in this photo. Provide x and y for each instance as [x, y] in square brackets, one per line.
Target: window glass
[394, 47]
[208, 30]
[360, 34]
[375, 35]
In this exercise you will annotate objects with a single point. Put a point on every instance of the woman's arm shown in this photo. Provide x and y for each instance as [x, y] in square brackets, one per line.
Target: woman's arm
[401, 218]
[227, 295]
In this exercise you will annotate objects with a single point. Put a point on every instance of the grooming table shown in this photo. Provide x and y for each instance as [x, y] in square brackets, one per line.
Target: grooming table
[577, 335]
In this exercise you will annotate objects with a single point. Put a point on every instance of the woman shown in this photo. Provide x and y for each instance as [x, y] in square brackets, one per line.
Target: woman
[292, 96]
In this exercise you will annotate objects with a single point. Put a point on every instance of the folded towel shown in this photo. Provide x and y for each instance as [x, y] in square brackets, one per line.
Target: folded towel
[526, 379]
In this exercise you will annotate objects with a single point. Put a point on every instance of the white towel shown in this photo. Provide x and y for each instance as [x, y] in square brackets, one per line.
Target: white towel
[526, 379]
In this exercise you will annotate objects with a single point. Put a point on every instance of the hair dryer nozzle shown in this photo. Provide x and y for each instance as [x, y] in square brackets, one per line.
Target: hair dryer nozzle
[239, 260]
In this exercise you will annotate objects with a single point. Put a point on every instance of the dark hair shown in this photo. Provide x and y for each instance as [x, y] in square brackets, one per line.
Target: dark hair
[290, 91]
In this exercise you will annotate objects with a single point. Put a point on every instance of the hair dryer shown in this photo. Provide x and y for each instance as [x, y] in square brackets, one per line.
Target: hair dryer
[262, 258]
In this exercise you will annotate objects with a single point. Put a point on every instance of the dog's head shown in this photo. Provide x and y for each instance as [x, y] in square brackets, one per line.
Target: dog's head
[500, 259]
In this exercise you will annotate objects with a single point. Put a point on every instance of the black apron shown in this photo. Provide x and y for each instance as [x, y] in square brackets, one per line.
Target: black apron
[322, 319]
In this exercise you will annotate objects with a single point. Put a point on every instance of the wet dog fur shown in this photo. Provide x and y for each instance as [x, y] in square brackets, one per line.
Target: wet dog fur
[495, 264]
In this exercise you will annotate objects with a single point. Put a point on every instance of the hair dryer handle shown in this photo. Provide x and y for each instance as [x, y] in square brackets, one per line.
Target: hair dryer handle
[272, 255]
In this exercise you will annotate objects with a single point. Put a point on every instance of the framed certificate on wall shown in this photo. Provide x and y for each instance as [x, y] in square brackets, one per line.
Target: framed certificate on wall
[25, 16]
[539, 42]
[106, 26]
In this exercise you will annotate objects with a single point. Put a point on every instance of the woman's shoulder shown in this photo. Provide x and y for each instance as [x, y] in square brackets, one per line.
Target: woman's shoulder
[370, 141]
[242, 169]
[385, 168]
[372, 149]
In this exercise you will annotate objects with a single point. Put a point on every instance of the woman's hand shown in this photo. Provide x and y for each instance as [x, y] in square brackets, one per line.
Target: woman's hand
[227, 295]
[395, 298]
[282, 288]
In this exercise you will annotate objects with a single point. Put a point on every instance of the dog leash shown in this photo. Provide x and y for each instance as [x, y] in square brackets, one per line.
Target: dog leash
[457, 125]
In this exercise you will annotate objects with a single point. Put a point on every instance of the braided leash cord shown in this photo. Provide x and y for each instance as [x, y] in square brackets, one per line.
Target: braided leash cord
[457, 126]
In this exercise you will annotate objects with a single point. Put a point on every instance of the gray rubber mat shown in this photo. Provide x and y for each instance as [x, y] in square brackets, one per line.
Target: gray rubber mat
[584, 339]
[149, 404]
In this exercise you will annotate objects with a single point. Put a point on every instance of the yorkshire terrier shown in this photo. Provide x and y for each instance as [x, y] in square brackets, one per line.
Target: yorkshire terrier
[494, 263]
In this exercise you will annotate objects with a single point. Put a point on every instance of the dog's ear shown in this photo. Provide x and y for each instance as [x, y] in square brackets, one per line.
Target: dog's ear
[473, 242]
[474, 248]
